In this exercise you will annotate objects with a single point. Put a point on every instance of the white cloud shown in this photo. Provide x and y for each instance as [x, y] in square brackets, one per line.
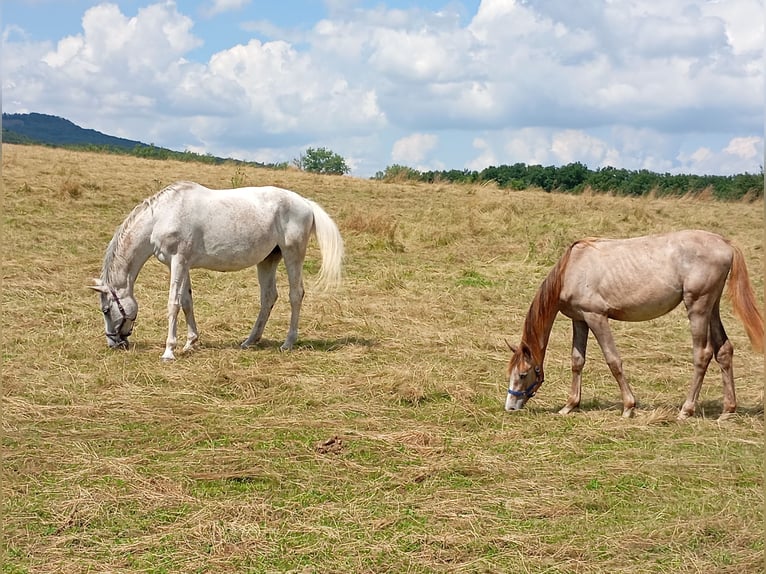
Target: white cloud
[221, 6]
[631, 83]
[413, 150]
[528, 145]
[280, 89]
[157, 36]
[744, 148]
[740, 155]
[743, 22]
[569, 146]
[486, 156]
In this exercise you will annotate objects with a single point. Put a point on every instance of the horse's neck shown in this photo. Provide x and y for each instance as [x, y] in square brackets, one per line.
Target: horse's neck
[131, 251]
[543, 310]
[537, 329]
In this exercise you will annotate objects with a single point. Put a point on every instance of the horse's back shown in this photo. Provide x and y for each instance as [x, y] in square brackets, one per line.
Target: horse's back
[253, 207]
[639, 278]
[229, 229]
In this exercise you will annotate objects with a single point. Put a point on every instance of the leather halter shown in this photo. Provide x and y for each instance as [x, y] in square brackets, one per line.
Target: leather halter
[116, 336]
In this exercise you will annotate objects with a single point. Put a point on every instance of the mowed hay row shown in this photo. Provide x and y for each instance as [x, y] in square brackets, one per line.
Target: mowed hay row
[380, 443]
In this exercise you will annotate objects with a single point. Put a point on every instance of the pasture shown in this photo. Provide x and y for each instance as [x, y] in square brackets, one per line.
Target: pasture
[380, 443]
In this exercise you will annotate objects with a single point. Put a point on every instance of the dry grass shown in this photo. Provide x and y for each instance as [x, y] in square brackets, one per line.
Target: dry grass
[379, 444]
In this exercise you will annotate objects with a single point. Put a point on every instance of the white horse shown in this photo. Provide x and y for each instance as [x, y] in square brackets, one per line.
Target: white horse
[188, 226]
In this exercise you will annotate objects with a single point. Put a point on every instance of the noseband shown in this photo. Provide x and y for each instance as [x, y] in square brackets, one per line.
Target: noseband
[115, 336]
[530, 391]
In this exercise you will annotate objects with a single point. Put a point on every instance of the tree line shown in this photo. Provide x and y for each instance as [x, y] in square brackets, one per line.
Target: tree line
[571, 178]
[577, 177]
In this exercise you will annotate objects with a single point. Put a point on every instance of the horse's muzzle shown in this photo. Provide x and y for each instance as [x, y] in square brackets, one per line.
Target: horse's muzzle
[117, 343]
[514, 403]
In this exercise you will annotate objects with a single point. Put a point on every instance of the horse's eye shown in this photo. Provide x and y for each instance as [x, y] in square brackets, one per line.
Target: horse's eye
[523, 375]
[105, 310]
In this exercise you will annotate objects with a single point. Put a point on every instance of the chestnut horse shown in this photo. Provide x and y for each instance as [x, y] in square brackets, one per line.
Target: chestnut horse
[637, 279]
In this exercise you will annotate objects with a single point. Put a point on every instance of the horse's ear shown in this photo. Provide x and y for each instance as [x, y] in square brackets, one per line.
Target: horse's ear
[527, 352]
[513, 348]
[97, 286]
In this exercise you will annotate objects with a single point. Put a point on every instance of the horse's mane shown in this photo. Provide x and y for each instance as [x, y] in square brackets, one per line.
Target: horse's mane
[544, 307]
[114, 249]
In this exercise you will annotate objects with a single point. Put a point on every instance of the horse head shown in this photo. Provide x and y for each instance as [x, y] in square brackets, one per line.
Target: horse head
[525, 376]
[120, 311]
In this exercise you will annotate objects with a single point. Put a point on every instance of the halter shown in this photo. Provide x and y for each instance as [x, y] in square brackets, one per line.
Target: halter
[115, 336]
[530, 391]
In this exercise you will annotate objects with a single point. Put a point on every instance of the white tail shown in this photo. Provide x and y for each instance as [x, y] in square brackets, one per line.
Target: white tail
[331, 246]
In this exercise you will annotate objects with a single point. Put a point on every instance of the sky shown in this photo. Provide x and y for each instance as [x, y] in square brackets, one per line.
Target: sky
[671, 86]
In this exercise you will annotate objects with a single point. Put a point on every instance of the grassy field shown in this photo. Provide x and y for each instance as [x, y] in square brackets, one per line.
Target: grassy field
[380, 443]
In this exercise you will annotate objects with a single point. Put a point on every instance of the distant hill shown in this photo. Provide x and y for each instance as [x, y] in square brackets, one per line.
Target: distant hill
[56, 131]
[43, 129]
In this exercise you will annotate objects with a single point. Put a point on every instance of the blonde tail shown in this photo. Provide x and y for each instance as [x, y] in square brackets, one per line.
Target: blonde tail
[331, 246]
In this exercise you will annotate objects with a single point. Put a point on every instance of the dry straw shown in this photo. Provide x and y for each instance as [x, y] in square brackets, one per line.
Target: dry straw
[379, 444]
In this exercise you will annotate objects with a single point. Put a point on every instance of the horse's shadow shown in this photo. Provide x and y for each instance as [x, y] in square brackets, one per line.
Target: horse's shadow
[709, 409]
[324, 345]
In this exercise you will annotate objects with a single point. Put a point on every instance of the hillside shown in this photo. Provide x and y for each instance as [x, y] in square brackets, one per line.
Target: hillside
[53, 130]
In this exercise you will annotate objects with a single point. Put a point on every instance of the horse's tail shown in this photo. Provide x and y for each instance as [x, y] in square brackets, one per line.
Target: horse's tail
[743, 300]
[331, 246]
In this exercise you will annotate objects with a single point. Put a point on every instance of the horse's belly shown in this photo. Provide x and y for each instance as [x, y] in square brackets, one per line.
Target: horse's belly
[230, 260]
[624, 310]
[644, 312]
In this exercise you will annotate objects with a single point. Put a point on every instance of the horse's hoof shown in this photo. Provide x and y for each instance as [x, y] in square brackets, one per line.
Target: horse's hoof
[683, 415]
[167, 357]
[629, 413]
[247, 343]
[566, 409]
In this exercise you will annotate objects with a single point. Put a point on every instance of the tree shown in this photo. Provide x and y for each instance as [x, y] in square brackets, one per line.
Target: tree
[322, 160]
[571, 176]
[398, 172]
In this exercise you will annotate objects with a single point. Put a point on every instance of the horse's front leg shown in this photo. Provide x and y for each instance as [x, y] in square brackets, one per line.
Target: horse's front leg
[177, 274]
[192, 334]
[579, 346]
[599, 324]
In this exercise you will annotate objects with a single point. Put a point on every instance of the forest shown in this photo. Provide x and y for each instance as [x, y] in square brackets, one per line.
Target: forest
[577, 177]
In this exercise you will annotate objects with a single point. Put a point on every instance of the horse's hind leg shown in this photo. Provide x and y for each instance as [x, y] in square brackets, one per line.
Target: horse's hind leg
[267, 279]
[724, 353]
[579, 346]
[702, 350]
[192, 334]
[600, 327]
[294, 264]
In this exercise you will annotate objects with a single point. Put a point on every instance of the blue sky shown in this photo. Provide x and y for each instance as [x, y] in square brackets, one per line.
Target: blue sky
[673, 86]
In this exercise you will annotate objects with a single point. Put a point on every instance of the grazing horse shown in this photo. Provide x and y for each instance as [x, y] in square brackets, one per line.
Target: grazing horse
[188, 226]
[637, 279]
